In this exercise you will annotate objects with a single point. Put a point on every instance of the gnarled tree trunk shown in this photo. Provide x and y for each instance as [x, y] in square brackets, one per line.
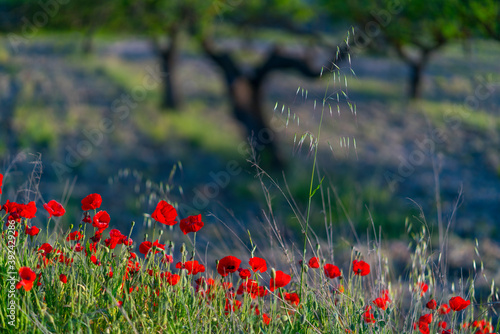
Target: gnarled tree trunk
[169, 55]
[246, 94]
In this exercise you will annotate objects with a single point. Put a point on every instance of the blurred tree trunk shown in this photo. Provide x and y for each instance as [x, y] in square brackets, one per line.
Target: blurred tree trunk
[169, 55]
[417, 64]
[415, 86]
[246, 94]
[87, 46]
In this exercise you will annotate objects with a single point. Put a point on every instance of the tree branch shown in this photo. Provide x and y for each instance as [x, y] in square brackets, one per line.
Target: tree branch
[223, 60]
[278, 60]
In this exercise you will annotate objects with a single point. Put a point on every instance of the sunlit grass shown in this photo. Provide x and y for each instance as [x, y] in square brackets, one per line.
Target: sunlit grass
[445, 114]
[37, 126]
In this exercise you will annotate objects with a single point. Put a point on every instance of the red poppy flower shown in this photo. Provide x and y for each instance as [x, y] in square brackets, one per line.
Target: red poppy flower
[313, 263]
[54, 209]
[423, 328]
[115, 238]
[381, 303]
[231, 305]
[443, 324]
[458, 303]
[261, 292]
[167, 259]
[10, 207]
[207, 281]
[227, 285]
[165, 214]
[97, 236]
[78, 247]
[173, 279]
[91, 202]
[28, 211]
[227, 265]
[426, 318]
[191, 224]
[331, 271]
[252, 288]
[431, 304]
[248, 286]
[368, 315]
[245, 273]
[32, 230]
[46, 248]
[193, 267]
[279, 280]
[293, 298]
[145, 246]
[158, 245]
[258, 264]
[101, 221]
[28, 277]
[266, 319]
[63, 278]
[94, 260]
[86, 218]
[128, 241]
[422, 287]
[384, 294]
[444, 309]
[1, 182]
[360, 268]
[423, 323]
[76, 235]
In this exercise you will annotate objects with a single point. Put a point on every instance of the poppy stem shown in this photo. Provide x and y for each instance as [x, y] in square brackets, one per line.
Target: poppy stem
[48, 223]
[194, 245]
[154, 231]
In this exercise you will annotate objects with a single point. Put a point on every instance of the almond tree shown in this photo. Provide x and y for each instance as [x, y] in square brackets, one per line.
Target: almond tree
[414, 29]
[245, 82]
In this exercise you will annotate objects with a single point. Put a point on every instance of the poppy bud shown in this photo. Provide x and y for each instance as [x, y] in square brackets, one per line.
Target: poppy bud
[133, 223]
[183, 248]
[273, 273]
[284, 318]
[71, 226]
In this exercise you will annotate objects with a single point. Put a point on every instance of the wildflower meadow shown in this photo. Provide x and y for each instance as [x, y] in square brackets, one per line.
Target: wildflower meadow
[271, 201]
[94, 279]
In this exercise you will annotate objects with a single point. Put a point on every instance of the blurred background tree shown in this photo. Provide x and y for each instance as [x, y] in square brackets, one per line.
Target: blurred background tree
[414, 29]
[480, 18]
[245, 78]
